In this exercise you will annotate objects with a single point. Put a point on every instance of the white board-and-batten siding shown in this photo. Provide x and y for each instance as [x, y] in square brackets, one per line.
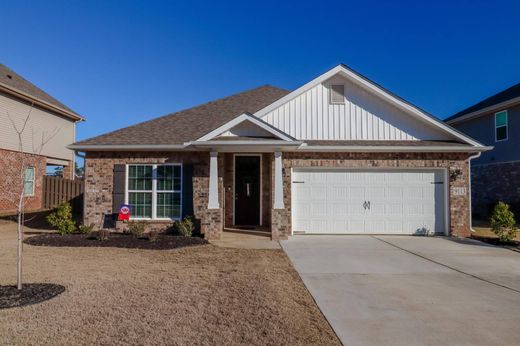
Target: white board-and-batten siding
[363, 116]
[40, 123]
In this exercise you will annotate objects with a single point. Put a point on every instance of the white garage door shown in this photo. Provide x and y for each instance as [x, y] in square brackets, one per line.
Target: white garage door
[368, 202]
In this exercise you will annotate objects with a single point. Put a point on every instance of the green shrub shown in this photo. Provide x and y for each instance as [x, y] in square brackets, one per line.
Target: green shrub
[136, 228]
[185, 227]
[503, 222]
[84, 229]
[61, 219]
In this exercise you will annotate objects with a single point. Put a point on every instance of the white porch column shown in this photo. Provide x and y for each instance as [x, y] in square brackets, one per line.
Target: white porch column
[278, 183]
[213, 181]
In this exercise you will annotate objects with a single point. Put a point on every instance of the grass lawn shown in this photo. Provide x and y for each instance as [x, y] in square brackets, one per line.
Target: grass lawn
[483, 230]
[199, 295]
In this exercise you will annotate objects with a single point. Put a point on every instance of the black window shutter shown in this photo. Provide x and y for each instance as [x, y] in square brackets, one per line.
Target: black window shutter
[187, 190]
[118, 197]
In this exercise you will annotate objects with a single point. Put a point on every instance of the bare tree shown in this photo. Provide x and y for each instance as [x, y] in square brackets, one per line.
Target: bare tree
[18, 188]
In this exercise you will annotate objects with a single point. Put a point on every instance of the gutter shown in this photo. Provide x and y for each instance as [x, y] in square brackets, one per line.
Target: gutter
[376, 148]
[117, 147]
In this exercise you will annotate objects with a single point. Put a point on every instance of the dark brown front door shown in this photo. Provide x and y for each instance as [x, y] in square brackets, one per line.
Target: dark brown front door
[247, 190]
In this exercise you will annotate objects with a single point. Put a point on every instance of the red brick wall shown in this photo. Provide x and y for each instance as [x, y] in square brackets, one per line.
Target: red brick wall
[10, 179]
[99, 171]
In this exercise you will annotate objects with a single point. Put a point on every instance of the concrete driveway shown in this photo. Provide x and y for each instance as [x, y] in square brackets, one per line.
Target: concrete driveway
[400, 290]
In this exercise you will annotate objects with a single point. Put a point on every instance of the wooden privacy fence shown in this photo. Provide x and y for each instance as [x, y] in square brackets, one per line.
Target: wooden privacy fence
[57, 190]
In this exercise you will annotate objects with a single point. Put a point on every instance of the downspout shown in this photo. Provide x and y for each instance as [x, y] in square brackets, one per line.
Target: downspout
[476, 156]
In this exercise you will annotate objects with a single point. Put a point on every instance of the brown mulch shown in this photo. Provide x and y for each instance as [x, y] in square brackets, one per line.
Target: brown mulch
[118, 240]
[11, 296]
[203, 295]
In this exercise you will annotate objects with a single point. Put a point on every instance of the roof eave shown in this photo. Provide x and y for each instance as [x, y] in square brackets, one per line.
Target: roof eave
[41, 103]
[389, 149]
[484, 111]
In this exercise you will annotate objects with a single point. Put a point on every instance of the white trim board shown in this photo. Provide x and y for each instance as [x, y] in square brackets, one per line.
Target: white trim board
[375, 89]
[246, 117]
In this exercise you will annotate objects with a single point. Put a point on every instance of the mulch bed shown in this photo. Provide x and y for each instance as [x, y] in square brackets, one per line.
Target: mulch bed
[514, 245]
[11, 297]
[127, 241]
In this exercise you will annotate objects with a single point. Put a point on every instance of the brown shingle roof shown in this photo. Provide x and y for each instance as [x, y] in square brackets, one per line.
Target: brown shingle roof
[190, 124]
[16, 82]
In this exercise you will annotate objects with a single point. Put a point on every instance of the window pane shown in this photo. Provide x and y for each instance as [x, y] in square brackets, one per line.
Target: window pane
[164, 178]
[140, 177]
[168, 204]
[141, 203]
[28, 184]
[501, 119]
[501, 133]
[177, 178]
[28, 188]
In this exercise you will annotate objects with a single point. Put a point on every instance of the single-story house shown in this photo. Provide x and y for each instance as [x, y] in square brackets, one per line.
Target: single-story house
[338, 155]
[495, 174]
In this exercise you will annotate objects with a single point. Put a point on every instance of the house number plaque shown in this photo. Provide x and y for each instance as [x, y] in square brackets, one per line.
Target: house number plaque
[459, 191]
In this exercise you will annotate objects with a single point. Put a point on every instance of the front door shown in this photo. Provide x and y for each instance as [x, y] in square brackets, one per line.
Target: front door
[247, 190]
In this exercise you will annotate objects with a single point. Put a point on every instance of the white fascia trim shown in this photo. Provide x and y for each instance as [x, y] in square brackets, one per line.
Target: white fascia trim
[342, 148]
[354, 77]
[246, 143]
[484, 111]
[137, 147]
[246, 117]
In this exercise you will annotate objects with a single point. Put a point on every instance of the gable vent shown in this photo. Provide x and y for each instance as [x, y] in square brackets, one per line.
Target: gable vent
[337, 94]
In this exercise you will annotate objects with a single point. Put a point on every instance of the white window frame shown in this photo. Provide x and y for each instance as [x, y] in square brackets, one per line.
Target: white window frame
[25, 180]
[506, 126]
[342, 102]
[154, 190]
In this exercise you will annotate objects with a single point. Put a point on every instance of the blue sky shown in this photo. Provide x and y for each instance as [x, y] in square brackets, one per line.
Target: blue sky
[122, 62]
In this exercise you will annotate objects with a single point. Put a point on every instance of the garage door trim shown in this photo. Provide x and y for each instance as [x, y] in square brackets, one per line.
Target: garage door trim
[365, 169]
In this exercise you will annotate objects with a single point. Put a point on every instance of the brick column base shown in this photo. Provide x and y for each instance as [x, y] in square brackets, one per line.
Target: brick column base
[212, 225]
[280, 224]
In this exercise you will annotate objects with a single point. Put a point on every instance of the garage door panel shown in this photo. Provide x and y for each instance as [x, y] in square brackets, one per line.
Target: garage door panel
[401, 201]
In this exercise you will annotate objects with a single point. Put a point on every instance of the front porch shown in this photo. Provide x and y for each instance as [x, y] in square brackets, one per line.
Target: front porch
[244, 193]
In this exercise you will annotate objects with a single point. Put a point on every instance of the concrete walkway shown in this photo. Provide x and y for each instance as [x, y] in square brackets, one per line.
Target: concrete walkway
[400, 290]
[246, 241]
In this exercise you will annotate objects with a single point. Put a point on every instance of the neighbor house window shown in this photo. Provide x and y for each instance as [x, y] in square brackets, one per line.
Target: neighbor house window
[501, 126]
[154, 191]
[28, 183]
[337, 94]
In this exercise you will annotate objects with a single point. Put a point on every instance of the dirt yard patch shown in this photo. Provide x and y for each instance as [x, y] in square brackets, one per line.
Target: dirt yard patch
[197, 295]
[484, 233]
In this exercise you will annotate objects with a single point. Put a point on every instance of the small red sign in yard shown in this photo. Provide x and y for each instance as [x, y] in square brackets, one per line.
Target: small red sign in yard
[124, 212]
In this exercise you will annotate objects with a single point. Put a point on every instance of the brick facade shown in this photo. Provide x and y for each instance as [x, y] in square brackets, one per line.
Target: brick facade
[493, 183]
[99, 174]
[10, 178]
[99, 179]
[459, 205]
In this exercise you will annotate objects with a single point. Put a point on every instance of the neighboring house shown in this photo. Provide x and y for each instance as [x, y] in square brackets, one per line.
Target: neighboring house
[49, 121]
[494, 121]
[337, 155]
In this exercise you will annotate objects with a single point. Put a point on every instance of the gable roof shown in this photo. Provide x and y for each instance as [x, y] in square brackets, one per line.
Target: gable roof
[488, 104]
[15, 83]
[190, 124]
[247, 117]
[377, 90]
